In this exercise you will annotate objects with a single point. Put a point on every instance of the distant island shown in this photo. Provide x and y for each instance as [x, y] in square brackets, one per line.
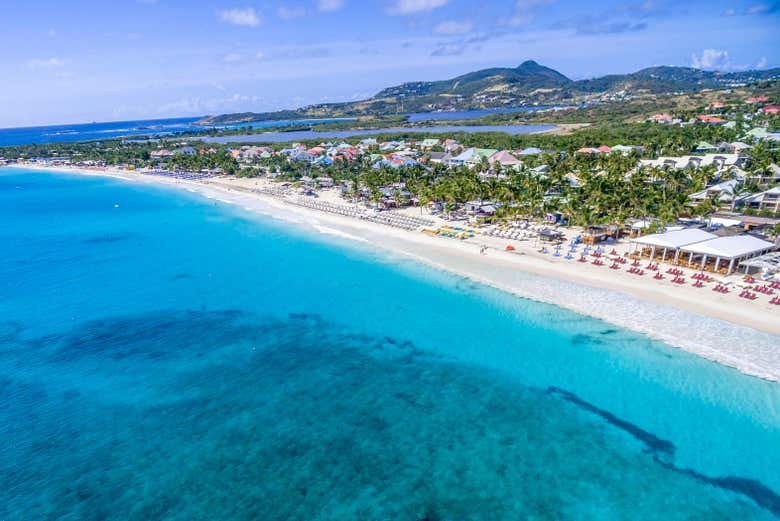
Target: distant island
[526, 85]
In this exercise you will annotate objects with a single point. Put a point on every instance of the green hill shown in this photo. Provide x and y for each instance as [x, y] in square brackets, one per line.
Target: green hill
[529, 83]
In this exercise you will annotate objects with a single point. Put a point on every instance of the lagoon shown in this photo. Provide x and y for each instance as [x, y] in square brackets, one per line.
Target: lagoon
[304, 135]
[467, 114]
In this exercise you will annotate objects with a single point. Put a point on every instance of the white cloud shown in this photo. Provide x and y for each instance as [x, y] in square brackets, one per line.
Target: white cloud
[526, 10]
[288, 13]
[452, 27]
[245, 17]
[404, 7]
[328, 6]
[710, 59]
[449, 49]
[48, 63]
[759, 9]
[233, 57]
[197, 105]
[761, 63]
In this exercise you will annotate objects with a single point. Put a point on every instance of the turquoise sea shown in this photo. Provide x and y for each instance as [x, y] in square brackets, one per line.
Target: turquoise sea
[163, 356]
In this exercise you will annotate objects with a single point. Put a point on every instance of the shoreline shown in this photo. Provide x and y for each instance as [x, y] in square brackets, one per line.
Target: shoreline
[717, 326]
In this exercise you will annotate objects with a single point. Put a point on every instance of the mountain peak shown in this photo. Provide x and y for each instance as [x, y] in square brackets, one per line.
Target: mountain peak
[528, 63]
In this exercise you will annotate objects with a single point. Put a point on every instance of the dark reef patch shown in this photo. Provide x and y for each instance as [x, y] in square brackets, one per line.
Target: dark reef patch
[162, 334]
[653, 444]
[582, 339]
[663, 454]
[10, 331]
[108, 238]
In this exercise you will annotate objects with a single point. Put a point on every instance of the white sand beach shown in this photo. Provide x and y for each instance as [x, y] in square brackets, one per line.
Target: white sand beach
[724, 328]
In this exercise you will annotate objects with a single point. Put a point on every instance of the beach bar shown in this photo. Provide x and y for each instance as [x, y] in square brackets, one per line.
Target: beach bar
[733, 250]
[672, 242]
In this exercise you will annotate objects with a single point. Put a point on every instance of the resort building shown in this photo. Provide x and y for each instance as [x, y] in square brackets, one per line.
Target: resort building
[505, 159]
[721, 193]
[766, 201]
[768, 177]
[159, 154]
[471, 157]
[439, 157]
[719, 161]
[427, 144]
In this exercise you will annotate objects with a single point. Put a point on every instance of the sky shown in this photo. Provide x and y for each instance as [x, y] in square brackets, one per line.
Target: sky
[92, 60]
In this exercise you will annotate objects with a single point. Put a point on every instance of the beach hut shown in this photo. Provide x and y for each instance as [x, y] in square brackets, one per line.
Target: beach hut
[596, 234]
[731, 249]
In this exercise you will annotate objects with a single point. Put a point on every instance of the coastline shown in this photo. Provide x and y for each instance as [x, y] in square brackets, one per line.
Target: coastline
[740, 334]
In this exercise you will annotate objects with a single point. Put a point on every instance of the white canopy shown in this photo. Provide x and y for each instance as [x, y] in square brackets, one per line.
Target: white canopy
[735, 247]
[675, 239]
[769, 262]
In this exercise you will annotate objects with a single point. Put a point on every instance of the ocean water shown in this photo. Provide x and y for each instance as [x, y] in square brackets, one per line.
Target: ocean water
[114, 129]
[166, 356]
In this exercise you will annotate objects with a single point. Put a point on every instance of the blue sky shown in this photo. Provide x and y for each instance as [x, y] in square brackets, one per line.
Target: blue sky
[85, 60]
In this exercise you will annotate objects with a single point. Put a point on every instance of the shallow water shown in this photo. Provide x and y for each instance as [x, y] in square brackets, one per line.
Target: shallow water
[163, 356]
